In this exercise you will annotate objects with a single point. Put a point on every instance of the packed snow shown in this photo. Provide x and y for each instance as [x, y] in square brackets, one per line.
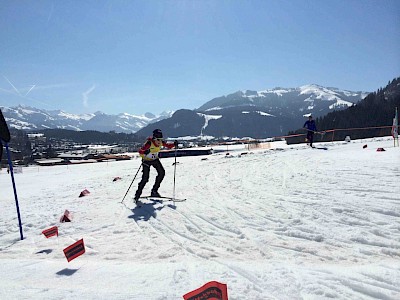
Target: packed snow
[340, 103]
[283, 223]
[207, 119]
[278, 91]
[260, 113]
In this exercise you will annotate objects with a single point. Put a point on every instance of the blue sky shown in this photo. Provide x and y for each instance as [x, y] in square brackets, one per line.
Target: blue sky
[150, 56]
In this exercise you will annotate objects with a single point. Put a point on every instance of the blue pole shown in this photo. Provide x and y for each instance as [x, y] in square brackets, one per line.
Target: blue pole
[15, 190]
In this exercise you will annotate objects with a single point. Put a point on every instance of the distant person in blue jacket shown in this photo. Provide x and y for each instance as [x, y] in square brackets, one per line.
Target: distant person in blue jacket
[312, 128]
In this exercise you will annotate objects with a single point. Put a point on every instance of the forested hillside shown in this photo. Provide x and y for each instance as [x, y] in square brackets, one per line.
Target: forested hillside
[371, 117]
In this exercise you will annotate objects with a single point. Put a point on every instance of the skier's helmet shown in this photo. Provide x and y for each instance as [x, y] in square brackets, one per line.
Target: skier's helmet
[157, 134]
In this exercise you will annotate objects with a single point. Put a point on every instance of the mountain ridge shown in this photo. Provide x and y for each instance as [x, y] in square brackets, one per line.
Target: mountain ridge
[242, 113]
[30, 119]
[261, 98]
[257, 114]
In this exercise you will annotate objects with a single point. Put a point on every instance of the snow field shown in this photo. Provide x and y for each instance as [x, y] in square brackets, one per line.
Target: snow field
[287, 223]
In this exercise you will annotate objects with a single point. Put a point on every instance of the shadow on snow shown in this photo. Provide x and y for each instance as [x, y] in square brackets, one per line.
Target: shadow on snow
[67, 272]
[148, 210]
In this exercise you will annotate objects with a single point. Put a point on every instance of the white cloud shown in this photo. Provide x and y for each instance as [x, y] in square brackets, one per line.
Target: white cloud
[15, 89]
[85, 95]
[52, 86]
[32, 87]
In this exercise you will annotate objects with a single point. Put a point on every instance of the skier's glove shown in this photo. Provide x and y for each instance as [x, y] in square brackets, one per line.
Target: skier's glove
[176, 144]
[146, 151]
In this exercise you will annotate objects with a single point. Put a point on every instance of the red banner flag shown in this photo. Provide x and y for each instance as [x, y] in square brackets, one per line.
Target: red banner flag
[75, 250]
[212, 290]
[84, 193]
[50, 232]
[66, 217]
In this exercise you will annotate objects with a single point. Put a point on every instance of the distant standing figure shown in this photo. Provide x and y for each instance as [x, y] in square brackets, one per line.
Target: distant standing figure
[149, 153]
[311, 127]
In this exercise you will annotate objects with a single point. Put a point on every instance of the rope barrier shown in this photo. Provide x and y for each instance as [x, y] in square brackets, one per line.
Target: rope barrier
[333, 130]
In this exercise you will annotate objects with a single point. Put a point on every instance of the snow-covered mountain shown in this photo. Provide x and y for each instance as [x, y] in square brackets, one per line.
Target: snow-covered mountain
[306, 99]
[29, 118]
[241, 114]
[257, 114]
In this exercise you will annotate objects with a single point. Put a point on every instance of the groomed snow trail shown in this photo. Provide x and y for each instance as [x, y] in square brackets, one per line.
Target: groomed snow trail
[291, 223]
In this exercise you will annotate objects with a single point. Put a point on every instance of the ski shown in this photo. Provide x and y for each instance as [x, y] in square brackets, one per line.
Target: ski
[162, 198]
[319, 132]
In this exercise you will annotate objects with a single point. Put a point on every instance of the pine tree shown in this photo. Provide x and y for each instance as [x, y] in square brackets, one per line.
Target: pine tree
[376, 109]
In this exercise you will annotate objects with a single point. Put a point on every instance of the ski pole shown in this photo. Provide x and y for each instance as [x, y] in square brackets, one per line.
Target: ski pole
[173, 194]
[131, 183]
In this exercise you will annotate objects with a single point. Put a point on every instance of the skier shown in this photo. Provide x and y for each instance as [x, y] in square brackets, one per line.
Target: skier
[311, 127]
[149, 153]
